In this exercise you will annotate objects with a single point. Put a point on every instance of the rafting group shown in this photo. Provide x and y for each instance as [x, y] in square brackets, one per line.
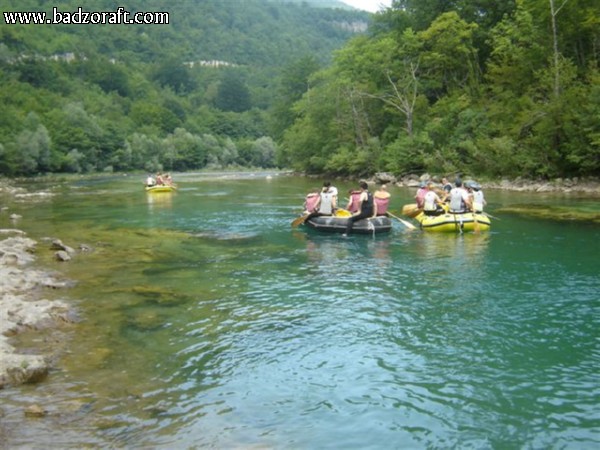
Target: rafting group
[365, 212]
[159, 183]
[457, 207]
[445, 207]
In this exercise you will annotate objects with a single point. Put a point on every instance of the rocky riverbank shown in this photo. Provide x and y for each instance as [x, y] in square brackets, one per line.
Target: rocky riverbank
[23, 303]
[24, 308]
[586, 186]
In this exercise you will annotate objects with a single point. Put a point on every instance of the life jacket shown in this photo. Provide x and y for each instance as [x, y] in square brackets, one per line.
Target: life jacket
[420, 196]
[457, 202]
[354, 197]
[326, 206]
[382, 205]
[478, 201]
[311, 201]
[429, 203]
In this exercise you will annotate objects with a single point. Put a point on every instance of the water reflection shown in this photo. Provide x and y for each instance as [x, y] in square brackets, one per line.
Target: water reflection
[326, 254]
[159, 200]
[380, 251]
[462, 248]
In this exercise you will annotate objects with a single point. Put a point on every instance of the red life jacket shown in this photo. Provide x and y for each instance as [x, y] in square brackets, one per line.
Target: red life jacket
[382, 205]
[311, 201]
[354, 201]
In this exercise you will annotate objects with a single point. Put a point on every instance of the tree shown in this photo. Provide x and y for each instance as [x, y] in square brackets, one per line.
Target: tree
[233, 94]
[400, 68]
[449, 59]
[553, 13]
[264, 150]
[187, 149]
[34, 150]
[292, 84]
[174, 74]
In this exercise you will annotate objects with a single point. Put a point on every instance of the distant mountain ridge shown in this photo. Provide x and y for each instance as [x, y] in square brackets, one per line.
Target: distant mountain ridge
[333, 4]
[264, 32]
[195, 92]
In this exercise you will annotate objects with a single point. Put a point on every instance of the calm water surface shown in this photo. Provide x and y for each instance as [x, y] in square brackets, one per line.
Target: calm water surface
[209, 323]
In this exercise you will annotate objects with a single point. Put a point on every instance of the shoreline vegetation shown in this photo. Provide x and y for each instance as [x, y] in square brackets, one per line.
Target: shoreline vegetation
[24, 285]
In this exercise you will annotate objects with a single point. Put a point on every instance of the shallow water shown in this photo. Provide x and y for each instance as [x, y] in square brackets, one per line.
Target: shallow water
[209, 322]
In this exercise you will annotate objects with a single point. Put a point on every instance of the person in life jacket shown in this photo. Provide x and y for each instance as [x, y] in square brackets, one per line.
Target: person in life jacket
[446, 186]
[353, 202]
[333, 191]
[477, 198]
[433, 205]
[420, 195]
[327, 202]
[366, 209]
[381, 197]
[311, 200]
[459, 199]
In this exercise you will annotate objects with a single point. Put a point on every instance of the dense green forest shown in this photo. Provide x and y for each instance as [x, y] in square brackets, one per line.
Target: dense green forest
[491, 87]
[194, 93]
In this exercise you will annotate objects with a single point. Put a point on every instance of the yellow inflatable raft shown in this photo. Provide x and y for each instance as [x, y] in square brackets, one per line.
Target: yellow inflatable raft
[160, 188]
[457, 223]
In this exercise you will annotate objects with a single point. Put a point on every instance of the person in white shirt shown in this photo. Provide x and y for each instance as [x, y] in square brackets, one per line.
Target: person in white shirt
[432, 203]
[478, 200]
[333, 190]
[327, 203]
[459, 199]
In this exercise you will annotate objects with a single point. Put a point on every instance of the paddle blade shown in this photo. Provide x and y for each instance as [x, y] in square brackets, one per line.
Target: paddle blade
[411, 210]
[299, 220]
[408, 225]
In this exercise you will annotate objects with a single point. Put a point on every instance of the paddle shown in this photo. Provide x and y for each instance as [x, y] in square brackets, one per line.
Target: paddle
[408, 225]
[490, 216]
[475, 223]
[300, 220]
[411, 210]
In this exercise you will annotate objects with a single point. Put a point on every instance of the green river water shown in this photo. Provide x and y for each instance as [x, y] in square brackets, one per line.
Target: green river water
[208, 322]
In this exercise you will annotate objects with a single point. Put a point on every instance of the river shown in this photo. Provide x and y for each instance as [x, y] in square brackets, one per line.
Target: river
[208, 322]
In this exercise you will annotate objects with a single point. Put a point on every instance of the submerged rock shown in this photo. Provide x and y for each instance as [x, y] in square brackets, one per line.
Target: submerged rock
[61, 255]
[35, 411]
[553, 212]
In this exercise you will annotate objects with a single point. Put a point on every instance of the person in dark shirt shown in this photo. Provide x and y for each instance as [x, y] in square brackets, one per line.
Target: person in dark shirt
[365, 209]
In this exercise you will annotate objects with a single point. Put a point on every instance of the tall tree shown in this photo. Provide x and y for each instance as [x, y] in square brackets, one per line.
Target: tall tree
[292, 84]
[553, 13]
[233, 94]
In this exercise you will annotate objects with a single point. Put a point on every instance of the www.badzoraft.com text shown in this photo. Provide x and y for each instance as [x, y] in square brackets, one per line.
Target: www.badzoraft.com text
[81, 17]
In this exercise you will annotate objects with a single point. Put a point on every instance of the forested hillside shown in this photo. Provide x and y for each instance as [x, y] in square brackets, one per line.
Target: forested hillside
[488, 87]
[192, 93]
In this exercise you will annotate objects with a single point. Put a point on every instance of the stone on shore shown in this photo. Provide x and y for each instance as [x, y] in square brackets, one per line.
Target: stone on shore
[21, 310]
